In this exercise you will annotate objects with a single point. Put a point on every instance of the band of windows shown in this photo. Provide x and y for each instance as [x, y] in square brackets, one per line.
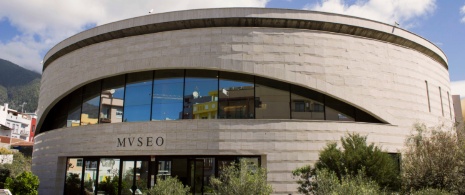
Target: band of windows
[194, 94]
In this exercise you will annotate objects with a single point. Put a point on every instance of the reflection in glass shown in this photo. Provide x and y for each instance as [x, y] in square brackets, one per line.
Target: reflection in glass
[201, 94]
[338, 111]
[127, 182]
[271, 99]
[58, 114]
[74, 109]
[73, 176]
[167, 95]
[306, 104]
[138, 97]
[108, 175]
[90, 103]
[164, 169]
[208, 173]
[112, 98]
[236, 96]
[196, 175]
[142, 173]
[90, 176]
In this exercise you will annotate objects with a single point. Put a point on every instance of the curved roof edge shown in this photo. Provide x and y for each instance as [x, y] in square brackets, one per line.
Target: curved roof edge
[247, 17]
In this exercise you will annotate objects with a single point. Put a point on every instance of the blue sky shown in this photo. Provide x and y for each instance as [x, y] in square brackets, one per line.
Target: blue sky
[28, 29]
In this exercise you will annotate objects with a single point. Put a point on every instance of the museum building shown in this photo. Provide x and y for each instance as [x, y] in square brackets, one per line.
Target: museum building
[123, 103]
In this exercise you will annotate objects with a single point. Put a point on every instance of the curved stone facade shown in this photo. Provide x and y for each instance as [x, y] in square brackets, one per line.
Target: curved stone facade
[377, 68]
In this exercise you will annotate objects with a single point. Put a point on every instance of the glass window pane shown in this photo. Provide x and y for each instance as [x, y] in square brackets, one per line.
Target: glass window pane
[74, 108]
[73, 176]
[167, 95]
[271, 99]
[90, 176]
[338, 111]
[108, 176]
[236, 96]
[201, 94]
[164, 168]
[127, 181]
[142, 173]
[90, 103]
[112, 97]
[138, 97]
[306, 104]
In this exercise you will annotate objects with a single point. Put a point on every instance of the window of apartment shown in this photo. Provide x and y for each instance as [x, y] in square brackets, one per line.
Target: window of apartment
[427, 96]
[112, 99]
[79, 162]
[440, 97]
[200, 88]
[273, 99]
[306, 104]
[236, 96]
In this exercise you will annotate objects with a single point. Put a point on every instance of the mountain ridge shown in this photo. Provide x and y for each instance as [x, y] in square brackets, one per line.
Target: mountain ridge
[18, 85]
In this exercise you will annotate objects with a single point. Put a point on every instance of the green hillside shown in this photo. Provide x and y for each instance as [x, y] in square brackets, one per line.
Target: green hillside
[18, 85]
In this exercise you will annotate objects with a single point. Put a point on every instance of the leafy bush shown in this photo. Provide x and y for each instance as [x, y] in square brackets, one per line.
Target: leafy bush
[434, 159]
[20, 164]
[430, 191]
[356, 155]
[5, 151]
[241, 178]
[169, 185]
[25, 183]
[323, 181]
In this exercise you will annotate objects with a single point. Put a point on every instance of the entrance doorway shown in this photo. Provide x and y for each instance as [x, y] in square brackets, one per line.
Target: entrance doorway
[196, 171]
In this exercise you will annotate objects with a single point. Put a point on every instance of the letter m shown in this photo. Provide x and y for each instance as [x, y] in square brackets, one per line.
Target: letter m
[121, 143]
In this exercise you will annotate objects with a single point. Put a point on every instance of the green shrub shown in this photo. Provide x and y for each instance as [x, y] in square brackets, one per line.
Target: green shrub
[354, 158]
[25, 183]
[356, 155]
[326, 182]
[241, 178]
[20, 164]
[430, 191]
[434, 159]
[169, 185]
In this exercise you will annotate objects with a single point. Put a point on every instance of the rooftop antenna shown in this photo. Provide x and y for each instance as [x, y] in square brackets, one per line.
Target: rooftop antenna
[22, 107]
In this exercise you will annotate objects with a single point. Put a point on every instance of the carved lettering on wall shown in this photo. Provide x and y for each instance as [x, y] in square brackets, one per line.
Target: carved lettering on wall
[140, 141]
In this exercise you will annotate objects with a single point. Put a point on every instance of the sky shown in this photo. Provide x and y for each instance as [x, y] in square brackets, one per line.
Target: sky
[28, 29]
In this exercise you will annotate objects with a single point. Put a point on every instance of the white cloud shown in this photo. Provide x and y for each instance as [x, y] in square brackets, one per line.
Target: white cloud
[462, 11]
[458, 88]
[388, 11]
[54, 20]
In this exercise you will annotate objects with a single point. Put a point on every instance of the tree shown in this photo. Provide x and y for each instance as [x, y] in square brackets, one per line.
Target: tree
[355, 157]
[25, 183]
[20, 164]
[434, 159]
[169, 185]
[241, 178]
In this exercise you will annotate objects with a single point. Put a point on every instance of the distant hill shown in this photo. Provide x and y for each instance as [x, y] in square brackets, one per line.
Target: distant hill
[18, 85]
